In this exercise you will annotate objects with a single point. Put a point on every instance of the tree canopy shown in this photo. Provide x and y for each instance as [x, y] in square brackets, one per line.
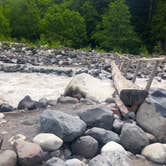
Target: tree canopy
[129, 26]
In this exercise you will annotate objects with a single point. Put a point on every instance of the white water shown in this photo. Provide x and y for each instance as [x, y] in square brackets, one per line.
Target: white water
[15, 86]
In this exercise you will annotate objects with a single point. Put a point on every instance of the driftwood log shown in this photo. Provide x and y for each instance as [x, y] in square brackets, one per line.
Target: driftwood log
[131, 94]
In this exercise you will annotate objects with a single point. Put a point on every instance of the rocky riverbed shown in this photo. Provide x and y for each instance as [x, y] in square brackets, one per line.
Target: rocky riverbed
[57, 109]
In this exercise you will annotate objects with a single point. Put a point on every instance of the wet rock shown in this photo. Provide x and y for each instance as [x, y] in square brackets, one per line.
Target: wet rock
[61, 124]
[28, 153]
[74, 162]
[133, 138]
[151, 120]
[155, 152]
[55, 162]
[85, 146]
[6, 108]
[48, 142]
[8, 158]
[27, 103]
[102, 136]
[98, 116]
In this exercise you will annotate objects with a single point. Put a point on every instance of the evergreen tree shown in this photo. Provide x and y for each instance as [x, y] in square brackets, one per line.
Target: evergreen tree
[24, 19]
[4, 22]
[115, 32]
[65, 26]
[159, 25]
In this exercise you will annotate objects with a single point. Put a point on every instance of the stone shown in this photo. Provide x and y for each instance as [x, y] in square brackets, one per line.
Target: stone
[98, 116]
[27, 103]
[15, 138]
[151, 137]
[8, 158]
[115, 158]
[117, 125]
[150, 118]
[54, 161]
[88, 86]
[6, 108]
[85, 146]
[133, 138]
[65, 126]
[74, 162]
[1, 141]
[28, 153]
[67, 100]
[155, 152]
[113, 147]
[102, 136]
[48, 142]
[52, 102]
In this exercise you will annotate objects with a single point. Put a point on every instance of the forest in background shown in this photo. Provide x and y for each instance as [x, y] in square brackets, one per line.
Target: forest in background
[127, 26]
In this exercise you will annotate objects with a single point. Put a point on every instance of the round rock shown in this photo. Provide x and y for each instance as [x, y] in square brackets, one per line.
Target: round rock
[74, 162]
[48, 142]
[155, 152]
[85, 146]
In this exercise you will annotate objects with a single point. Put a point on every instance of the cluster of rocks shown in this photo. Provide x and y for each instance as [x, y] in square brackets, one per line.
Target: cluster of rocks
[28, 59]
[95, 136]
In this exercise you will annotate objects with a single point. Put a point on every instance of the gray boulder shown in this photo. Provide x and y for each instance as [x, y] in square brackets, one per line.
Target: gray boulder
[98, 116]
[61, 124]
[8, 158]
[133, 138]
[85, 146]
[6, 108]
[111, 159]
[150, 118]
[103, 136]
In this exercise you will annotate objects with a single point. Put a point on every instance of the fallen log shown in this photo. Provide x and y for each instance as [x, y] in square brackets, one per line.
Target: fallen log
[131, 94]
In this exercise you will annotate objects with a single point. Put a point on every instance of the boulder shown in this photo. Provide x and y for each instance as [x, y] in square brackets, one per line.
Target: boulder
[54, 161]
[88, 86]
[27, 103]
[150, 118]
[155, 152]
[113, 147]
[28, 153]
[98, 116]
[6, 108]
[8, 158]
[63, 125]
[102, 136]
[114, 158]
[48, 142]
[133, 138]
[85, 146]
[74, 162]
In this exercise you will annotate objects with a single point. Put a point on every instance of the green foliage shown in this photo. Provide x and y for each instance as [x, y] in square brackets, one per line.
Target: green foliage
[115, 32]
[159, 26]
[131, 26]
[65, 26]
[4, 23]
[24, 19]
